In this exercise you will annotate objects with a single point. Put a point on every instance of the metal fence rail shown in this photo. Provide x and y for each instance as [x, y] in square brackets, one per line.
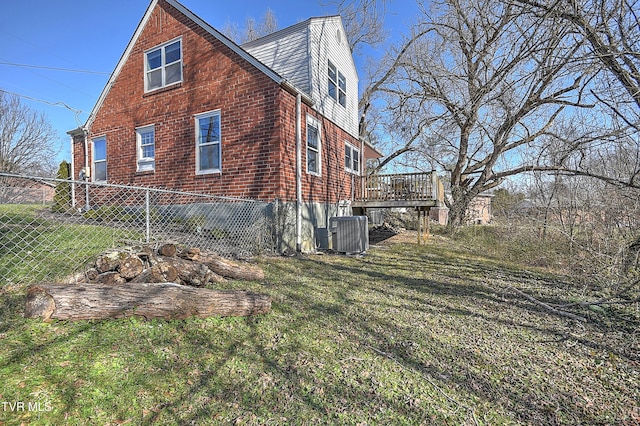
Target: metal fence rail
[46, 242]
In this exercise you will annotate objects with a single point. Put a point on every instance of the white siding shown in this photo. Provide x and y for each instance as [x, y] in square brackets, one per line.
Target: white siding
[300, 54]
[326, 46]
[285, 52]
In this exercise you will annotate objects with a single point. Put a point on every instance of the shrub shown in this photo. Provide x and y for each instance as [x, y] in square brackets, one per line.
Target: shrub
[62, 194]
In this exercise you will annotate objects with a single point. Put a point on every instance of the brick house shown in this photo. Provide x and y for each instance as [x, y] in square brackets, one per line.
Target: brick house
[273, 120]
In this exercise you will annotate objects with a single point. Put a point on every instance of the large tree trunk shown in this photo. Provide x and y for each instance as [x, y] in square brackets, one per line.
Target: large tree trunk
[148, 300]
[458, 208]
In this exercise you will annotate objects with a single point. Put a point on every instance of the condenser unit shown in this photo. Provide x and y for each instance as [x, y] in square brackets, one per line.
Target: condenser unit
[349, 234]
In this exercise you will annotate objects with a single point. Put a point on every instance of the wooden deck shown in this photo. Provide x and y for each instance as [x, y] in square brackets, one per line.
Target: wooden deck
[419, 190]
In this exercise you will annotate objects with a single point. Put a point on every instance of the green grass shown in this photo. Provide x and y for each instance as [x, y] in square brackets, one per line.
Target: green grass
[404, 335]
[33, 249]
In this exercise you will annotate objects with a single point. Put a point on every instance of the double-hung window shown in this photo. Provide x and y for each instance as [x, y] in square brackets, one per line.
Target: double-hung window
[208, 142]
[163, 65]
[146, 148]
[313, 146]
[99, 153]
[337, 84]
[351, 159]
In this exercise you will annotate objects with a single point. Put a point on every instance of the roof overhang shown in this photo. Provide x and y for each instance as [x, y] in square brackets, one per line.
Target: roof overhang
[371, 151]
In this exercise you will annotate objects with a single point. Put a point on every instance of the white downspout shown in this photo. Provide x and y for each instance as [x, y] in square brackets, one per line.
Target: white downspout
[73, 177]
[298, 173]
[86, 168]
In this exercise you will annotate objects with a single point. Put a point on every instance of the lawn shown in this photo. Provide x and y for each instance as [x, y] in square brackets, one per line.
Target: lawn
[405, 334]
[34, 248]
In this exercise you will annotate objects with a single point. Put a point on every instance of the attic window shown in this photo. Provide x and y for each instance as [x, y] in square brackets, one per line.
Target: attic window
[163, 65]
[337, 85]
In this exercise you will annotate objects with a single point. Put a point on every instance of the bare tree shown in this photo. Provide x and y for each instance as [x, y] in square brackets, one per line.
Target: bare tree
[612, 30]
[26, 138]
[363, 21]
[252, 29]
[479, 90]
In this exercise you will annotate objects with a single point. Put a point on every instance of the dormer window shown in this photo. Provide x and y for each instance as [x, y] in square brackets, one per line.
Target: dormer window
[337, 85]
[163, 65]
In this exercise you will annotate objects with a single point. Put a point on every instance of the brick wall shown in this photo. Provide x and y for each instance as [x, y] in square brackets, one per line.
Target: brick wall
[257, 123]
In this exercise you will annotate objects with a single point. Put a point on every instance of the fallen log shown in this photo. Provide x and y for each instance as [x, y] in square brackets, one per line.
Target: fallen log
[168, 250]
[109, 261]
[192, 273]
[148, 300]
[192, 253]
[130, 267]
[110, 278]
[230, 269]
[161, 272]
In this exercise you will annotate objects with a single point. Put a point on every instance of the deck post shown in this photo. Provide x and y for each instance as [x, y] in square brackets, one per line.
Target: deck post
[426, 223]
[423, 225]
[419, 226]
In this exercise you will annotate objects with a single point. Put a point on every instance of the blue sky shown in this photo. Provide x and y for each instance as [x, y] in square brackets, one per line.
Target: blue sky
[91, 36]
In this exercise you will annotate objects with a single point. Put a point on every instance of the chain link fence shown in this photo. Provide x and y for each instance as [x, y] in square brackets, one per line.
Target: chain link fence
[51, 228]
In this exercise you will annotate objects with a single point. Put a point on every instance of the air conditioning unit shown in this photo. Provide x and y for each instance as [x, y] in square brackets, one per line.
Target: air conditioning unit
[349, 234]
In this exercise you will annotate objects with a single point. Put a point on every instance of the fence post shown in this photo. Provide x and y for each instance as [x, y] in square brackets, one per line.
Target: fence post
[147, 215]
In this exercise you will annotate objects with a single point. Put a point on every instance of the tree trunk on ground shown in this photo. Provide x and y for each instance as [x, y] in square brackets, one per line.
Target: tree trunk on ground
[193, 273]
[109, 261]
[110, 278]
[190, 254]
[148, 300]
[168, 249]
[130, 267]
[230, 269]
[161, 272]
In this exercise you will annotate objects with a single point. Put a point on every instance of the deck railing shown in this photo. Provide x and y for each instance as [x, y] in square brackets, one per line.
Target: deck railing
[400, 187]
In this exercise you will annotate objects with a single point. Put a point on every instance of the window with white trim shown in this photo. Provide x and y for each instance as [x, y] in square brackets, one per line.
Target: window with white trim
[163, 65]
[313, 146]
[337, 84]
[146, 148]
[99, 160]
[351, 158]
[208, 142]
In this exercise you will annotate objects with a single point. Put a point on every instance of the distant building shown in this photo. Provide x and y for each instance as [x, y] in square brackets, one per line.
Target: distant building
[479, 211]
